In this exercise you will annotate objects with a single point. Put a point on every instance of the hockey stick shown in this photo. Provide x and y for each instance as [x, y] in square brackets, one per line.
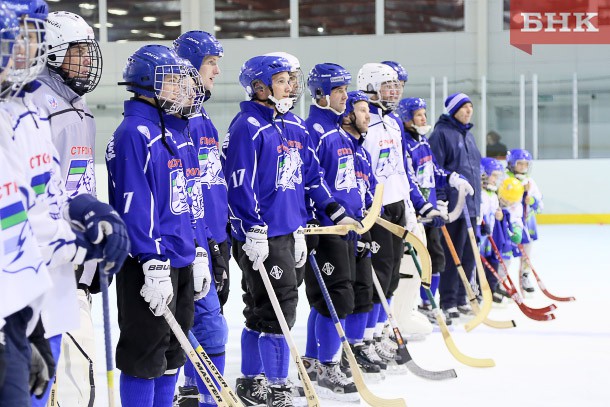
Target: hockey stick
[539, 281]
[451, 346]
[310, 393]
[543, 310]
[107, 335]
[403, 352]
[459, 206]
[194, 358]
[367, 222]
[417, 244]
[363, 389]
[516, 297]
[225, 391]
[480, 313]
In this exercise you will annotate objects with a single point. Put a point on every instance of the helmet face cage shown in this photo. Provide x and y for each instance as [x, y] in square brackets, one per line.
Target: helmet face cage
[179, 89]
[489, 166]
[9, 30]
[81, 64]
[297, 81]
[28, 52]
[517, 154]
[380, 80]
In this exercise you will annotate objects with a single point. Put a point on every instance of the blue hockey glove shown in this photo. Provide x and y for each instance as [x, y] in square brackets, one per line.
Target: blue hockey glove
[338, 216]
[101, 224]
[485, 230]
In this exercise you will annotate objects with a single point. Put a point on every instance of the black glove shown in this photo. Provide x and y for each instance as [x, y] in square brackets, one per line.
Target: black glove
[42, 364]
[2, 361]
[220, 268]
[485, 230]
[363, 246]
[312, 241]
[436, 222]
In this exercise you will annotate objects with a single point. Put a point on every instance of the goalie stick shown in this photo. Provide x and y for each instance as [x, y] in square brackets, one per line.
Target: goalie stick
[514, 295]
[451, 346]
[539, 281]
[225, 391]
[403, 352]
[192, 355]
[367, 222]
[417, 244]
[364, 391]
[310, 393]
[480, 313]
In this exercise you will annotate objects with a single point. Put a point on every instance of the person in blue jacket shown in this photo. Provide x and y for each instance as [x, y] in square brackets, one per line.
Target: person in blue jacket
[266, 183]
[455, 150]
[148, 187]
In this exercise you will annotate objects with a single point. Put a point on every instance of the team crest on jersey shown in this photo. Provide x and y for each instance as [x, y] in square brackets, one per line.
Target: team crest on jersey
[288, 172]
[253, 121]
[425, 175]
[328, 268]
[193, 188]
[362, 187]
[375, 247]
[346, 175]
[80, 178]
[178, 192]
[52, 102]
[210, 166]
[388, 163]
[144, 130]
[16, 233]
[318, 127]
[276, 272]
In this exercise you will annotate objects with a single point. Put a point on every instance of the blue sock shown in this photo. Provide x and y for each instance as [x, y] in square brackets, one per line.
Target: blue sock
[328, 339]
[190, 375]
[164, 390]
[251, 364]
[311, 346]
[219, 362]
[277, 357]
[136, 392]
[436, 279]
[373, 316]
[354, 327]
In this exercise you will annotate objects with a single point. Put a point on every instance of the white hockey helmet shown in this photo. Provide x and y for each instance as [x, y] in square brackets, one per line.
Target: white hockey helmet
[83, 71]
[296, 74]
[370, 79]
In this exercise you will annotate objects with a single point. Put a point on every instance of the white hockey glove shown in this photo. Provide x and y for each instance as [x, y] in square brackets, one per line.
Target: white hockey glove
[300, 247]
[157, 289]
[443, 208]
[256, 246]
[411, 216]
[201, 273]
[458, 182]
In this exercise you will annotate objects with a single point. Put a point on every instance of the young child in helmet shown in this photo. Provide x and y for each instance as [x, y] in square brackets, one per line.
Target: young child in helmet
[518, 163]
[510, 227]
[491, 174]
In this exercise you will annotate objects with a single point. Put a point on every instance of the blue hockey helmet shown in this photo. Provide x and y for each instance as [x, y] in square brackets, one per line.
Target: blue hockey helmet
[324, 77]
[196, 45]
[489, 165]
[408, 106]
[9, 28]
[400, 70]
[517, 154]
[297, 78]
[261, 68]
[354, 97]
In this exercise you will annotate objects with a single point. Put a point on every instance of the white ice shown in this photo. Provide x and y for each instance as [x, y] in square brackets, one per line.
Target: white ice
[538, 364]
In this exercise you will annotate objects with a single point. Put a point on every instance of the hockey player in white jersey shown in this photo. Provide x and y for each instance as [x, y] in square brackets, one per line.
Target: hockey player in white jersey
[74, 67]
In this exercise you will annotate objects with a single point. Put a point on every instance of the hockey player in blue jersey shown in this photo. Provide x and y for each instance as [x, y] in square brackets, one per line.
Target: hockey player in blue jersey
[327, 85]
[401, 73]
[200, 143]
[149, 187]
[455, 150]
[266, 179]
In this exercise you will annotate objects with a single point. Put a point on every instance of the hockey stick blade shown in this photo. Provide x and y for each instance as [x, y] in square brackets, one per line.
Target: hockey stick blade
[367, 222]
[363, 389]
[226, 392]
[539, 281]
[194, 358]
[310, 393]
[403, 352]
[417, 244]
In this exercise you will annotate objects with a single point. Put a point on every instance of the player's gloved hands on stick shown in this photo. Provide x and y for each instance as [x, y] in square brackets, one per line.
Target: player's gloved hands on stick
[443, 208]
[435, 221]
[300, 247]
[42, 364]
[257, 246]
[459, 182]
[201, 273]
[157, 289]
[220, 268]
[338, 216]
[100, 222]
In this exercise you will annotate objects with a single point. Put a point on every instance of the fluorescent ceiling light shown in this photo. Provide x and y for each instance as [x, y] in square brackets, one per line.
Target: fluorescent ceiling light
[87, 6]
[156, 35]
[172, 23]
[117, 11]
[248, 37]
[149, 19]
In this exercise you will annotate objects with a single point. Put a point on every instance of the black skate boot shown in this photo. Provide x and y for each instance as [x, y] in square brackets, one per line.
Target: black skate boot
[279, 395]
[333, 385]
[252, 391]
[369, 368]
[187, 396]
[344, 364]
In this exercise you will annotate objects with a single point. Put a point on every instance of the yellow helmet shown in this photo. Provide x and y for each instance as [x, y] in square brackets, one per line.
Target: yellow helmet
[511, 190]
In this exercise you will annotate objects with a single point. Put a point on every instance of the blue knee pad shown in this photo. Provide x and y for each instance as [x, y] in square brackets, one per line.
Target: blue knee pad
[209, 325]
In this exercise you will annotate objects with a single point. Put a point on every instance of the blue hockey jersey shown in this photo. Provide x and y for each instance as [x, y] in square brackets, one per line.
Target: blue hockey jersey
[214, 186]
[264, 168]
[147, 187]
[336, 153]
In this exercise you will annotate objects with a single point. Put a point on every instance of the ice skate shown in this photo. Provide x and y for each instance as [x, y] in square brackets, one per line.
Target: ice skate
[344, 364]
[188, 396]
[310, 367]
[390, 357]
[526, 285]
[252, 391]
[332, 383]
[279, 395]
[368, 367]
[298, 394]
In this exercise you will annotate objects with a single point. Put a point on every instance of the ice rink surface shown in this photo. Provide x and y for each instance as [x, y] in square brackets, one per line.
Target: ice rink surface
[561, 363]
